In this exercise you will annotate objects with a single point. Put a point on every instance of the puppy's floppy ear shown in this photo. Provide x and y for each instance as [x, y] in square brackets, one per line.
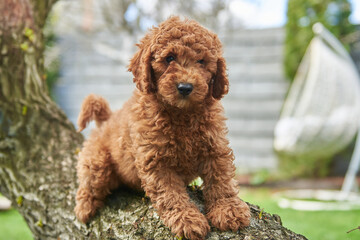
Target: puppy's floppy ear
[140, 66]
[220, 81]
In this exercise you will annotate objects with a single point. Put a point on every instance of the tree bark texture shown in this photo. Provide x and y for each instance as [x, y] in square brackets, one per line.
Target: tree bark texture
[39, 145]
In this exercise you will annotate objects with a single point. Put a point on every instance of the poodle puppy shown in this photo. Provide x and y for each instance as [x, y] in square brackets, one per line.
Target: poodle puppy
[169, 132]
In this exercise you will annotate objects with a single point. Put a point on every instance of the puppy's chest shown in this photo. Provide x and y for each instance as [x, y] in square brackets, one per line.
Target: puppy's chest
[187, 148]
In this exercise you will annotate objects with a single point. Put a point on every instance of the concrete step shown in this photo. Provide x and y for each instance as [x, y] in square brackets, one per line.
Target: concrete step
[70, 97]
[250, 145]
[241, 90]
[243, 128]
[254, 37]
[252, 109]
[88, 57]
[253, 54]
[101, 74]
[253, 78]
[242, 69]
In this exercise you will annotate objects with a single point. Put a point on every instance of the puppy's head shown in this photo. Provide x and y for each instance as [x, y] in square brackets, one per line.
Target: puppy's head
[181, 62]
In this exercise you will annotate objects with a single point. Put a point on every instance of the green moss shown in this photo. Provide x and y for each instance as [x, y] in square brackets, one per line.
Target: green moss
[52, 71]
[52, 75]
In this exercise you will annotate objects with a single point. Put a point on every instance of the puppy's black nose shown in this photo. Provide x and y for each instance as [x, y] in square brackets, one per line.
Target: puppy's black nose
[185, 88]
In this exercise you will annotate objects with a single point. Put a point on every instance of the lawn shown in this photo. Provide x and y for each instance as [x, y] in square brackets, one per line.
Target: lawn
[13, 226]
[329, 225]
[316, 225]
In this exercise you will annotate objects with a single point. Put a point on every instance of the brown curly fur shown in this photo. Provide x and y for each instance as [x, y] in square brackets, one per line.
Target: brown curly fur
[160, 140]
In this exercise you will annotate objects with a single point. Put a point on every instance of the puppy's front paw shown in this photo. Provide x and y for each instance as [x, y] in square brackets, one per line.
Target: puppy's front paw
[85, 206]
[84, 210]
[229, 214]
[83, 214]
[188, 223]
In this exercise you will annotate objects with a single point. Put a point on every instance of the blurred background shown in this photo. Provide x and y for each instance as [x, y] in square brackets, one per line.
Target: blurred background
[90, 42]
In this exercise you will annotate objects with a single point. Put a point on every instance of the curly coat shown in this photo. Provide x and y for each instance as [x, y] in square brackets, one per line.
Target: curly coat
[164, 138]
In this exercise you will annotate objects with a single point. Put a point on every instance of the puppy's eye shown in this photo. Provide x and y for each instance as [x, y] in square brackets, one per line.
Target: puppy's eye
[201, 61]
[169, 58]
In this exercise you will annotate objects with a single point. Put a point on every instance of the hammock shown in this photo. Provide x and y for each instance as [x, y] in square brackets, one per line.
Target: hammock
[321, 114]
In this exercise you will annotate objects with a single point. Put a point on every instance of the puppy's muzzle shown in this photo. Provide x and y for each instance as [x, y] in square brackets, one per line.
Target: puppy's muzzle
[185, 88]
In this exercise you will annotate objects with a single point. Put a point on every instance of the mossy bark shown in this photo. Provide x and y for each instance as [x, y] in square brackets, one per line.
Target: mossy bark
[38, 148]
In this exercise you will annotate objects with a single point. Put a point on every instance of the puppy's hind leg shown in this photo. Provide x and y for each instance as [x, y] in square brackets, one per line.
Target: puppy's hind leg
[96, 180]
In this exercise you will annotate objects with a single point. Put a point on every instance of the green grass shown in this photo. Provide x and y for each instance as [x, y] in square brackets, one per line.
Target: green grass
[13, 226]
[316, 225]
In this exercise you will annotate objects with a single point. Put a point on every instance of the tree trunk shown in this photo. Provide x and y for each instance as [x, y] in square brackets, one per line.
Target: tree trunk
[38, 148]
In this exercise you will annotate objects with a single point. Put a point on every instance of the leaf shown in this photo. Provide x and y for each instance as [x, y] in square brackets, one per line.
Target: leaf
[196, 182]
[32, 38]
[24, 46]
[77, 151]
[261, 213]
[28, 32]
[24, 110]
[39, 223]
[19, 200]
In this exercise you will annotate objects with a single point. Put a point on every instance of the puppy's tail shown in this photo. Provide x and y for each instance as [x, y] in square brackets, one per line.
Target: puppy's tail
[93, 108]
